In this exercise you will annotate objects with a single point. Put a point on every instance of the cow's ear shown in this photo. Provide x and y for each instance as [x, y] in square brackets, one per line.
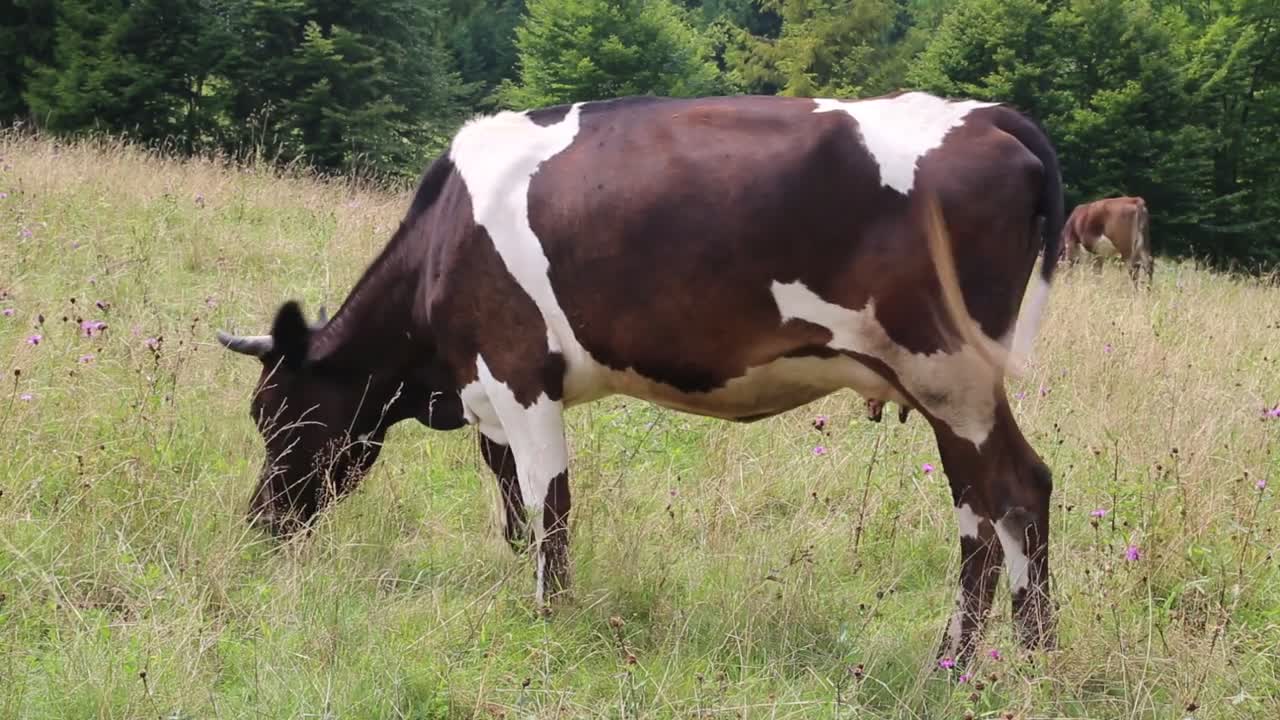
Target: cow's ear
[290, 335]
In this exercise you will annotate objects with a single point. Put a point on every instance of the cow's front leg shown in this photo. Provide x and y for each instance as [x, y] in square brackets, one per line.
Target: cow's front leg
[502, 461]
[1011, 487]
[533, 425]
[980, 558]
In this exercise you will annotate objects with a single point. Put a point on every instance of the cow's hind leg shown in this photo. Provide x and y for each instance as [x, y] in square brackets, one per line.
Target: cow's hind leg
[502, 461]
[1011, 486]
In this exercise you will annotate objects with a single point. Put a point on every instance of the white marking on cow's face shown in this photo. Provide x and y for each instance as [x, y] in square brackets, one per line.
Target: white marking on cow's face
[898, 131]
[1103, 247]
[1015, 554]
[957, 388]
[968, 521]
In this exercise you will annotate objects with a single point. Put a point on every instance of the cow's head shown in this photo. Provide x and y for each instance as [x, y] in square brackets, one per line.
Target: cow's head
[323, 417]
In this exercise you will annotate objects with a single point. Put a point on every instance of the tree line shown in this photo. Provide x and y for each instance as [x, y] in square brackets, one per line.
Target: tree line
[1174, 100]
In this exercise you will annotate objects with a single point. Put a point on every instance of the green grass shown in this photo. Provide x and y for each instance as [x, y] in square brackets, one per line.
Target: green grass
[747, 576]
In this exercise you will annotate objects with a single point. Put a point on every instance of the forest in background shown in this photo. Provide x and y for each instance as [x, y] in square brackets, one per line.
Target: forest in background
[1174, 100]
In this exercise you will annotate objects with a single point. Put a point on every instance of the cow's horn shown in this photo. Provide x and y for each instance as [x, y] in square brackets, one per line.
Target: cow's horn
[255, 345]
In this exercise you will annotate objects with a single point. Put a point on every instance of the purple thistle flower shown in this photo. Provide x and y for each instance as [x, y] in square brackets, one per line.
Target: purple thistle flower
[211, 302]
[1021, 394]
[92, 327]
[964, 678]
[820, 450]
[152, 343]
[4, 196]
[1044, 390]
[1272, 413]
[1261, 484]
[1098, 513]
[8, 312]
[820, 422]
[25, 232]
[35, 339]
[994, 654]
[1132, 553]
[927, 468]
[85, 359]
[25, 397]
[946, 663]
[1107, 348]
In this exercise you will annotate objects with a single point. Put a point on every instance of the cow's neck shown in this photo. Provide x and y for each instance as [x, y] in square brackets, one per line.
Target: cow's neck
[376, 329]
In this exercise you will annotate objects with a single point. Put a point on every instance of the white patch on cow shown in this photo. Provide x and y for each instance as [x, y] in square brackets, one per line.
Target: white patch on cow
[968, 521]
[478, 411]
[1015, 554]
[954, 387]
[1104, 247]
[898, 131]
[497, 157]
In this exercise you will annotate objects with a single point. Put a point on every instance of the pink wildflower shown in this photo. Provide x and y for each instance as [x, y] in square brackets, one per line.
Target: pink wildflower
[994, 654]
[1107, 348]
[152, 343]
[25, 232]
[25, 397]
[820, 450]
[92, 327]
[927, 468]
[1021, 394]
[1044, 390]
[4, 195]
[86, 359]
[946, 663]
[820, 422]
[964, 678]
[7, 312]
[1098, 513]
[1261, 484]
[1132, 553]
[35, 339]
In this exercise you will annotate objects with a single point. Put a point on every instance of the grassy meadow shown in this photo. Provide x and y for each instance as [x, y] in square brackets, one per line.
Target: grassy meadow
[721, 571]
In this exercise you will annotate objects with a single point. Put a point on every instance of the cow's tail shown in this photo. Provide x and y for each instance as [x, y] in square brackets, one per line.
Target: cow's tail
[1050, 212]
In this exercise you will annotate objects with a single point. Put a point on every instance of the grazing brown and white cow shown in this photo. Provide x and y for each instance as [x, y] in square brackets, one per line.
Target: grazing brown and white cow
[733, 257]
[1110, 227]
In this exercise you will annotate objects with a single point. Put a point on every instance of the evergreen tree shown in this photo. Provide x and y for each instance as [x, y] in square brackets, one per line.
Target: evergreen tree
[26, 39]
[571, 50]
[353, 85]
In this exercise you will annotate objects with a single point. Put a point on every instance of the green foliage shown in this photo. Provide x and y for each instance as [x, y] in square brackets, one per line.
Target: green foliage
[826, 47]
[26, 38]
[1140, 101]
[572, 50]
[346, 86]
[1173, 100]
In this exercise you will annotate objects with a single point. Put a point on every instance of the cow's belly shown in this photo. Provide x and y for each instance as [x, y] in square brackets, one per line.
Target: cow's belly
[764, 390]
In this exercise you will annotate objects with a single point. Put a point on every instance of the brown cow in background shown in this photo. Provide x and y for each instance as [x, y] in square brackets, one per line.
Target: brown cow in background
[1114, 226]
